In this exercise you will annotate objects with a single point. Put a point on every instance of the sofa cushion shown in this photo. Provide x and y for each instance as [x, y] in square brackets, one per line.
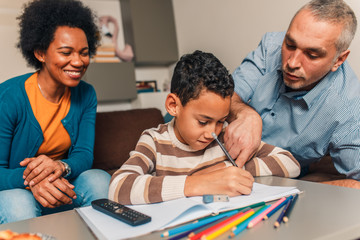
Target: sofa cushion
[116, 134]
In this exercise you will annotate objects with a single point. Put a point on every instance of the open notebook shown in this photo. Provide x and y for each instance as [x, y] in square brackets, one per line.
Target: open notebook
[171, 213]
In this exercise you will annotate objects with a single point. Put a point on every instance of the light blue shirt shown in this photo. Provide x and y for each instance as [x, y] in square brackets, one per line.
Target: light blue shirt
[311, 124]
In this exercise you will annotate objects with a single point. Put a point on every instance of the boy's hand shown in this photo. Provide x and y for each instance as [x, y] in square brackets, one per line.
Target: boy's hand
[232, 181]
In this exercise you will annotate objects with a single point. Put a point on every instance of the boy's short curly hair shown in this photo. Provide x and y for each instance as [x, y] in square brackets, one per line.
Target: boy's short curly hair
[197, 71]
[41, 18]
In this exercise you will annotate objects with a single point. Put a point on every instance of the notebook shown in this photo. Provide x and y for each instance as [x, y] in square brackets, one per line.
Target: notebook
[172, 213]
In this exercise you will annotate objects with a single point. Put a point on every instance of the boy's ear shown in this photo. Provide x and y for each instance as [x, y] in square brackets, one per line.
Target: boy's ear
[172, 103]
[39, 55]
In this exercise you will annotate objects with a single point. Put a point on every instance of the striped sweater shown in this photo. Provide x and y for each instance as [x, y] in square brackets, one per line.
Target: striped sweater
[157, 169]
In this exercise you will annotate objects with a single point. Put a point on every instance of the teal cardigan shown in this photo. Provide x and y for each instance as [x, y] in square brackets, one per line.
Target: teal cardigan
[21, 134]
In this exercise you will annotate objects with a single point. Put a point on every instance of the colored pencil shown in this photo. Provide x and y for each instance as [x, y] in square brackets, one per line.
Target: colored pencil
[287, 213]
[239, 228]
[259, 216]
[184, 234]
[273, 206]
[195, 236]
[281, 216]
[196, 224]
[277, 208]
[237, 221]
[224, 150]
[218, 225]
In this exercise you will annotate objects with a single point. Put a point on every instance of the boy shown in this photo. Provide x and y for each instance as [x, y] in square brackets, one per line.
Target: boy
[180, 158]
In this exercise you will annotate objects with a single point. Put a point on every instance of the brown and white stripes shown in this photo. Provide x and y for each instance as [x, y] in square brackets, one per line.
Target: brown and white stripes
[157, 169]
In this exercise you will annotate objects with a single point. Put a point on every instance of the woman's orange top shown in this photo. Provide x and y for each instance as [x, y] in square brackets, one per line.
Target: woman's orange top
[49, 115]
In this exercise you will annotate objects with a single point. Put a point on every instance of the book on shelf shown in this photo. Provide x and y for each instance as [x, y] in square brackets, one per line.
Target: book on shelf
[105, 59]
[175, 212]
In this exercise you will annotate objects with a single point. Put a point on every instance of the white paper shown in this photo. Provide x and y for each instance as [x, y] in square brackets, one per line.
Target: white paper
[175, 212]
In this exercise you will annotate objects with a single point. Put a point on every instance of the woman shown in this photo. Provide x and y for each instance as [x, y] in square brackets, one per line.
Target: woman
[47, 118]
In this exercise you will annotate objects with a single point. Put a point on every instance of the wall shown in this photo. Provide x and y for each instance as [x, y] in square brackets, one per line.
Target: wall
[228, 28]
[232, 28]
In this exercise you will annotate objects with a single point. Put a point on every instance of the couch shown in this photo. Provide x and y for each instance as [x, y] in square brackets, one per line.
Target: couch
[116, 134]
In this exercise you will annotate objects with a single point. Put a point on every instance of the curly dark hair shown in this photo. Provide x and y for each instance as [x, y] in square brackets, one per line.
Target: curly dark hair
[41, 18]
[197, 71]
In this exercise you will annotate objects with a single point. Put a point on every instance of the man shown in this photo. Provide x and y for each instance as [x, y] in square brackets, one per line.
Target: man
[306, 94]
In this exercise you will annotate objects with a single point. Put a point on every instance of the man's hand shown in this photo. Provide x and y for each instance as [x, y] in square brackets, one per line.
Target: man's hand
[243, 135]
[53, 194]
[232, 181]
[351, 183]
[37, 169]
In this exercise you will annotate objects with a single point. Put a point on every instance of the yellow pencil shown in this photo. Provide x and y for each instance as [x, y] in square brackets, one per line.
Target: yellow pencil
[229, 226]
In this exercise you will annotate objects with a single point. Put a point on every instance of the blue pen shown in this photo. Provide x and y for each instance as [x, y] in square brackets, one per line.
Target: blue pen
[281, 216]
[194, 225]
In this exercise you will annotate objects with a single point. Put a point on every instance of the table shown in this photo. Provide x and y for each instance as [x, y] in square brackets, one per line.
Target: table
[321, 212]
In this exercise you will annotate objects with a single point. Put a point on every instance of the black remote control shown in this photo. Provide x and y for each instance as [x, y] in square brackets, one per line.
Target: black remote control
[121, 212]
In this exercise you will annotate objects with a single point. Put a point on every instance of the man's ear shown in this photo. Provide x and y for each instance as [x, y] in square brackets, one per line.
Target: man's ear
[172, 104]
[340, 60]
[39, 55]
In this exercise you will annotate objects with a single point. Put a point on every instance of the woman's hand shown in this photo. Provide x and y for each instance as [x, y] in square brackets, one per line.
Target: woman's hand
[53, 194]
[232, 181]
[39, 168]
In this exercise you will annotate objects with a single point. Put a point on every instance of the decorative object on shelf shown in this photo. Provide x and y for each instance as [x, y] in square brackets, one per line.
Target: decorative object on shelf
[146, 86]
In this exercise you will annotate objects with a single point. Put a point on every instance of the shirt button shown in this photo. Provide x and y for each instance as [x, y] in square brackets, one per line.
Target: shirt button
[272, 114]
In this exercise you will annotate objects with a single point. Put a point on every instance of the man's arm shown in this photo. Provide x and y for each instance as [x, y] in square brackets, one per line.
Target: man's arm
[351, 183]
[243, 135]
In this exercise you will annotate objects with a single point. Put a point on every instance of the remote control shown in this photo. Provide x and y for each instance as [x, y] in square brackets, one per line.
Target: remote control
[120, 212]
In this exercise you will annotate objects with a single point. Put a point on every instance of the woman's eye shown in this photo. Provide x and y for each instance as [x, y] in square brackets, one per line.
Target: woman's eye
[66, 53]
[85, 54]
[202, 123]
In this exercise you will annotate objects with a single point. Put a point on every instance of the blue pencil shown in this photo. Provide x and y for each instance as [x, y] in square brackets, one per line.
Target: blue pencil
[281, 216]
[287, 213]
[277, 208]
[194, 225]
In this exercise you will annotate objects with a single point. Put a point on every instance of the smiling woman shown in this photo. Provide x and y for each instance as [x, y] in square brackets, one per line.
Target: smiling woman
[48, 121]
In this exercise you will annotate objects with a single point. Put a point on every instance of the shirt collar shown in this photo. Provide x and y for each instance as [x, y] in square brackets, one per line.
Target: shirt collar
[309, 97]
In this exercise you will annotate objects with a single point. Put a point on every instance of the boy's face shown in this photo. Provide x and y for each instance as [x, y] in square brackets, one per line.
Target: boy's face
[195, 122]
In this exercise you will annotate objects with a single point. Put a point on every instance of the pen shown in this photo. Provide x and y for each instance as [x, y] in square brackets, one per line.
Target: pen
[287, 213]
[224, 150]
